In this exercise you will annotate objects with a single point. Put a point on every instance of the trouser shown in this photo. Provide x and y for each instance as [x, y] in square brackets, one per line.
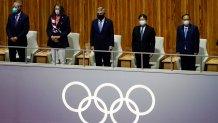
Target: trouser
[58, 54]
[145, 59]
[103, 59]
[14, 51]
[188, 63]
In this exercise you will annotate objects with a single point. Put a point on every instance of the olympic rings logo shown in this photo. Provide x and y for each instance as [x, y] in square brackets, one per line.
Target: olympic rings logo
[105, 109]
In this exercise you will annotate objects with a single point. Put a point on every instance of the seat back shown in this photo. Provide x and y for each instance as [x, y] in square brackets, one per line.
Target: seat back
[202, 51]
[159, 48]
[117, 46]
[73, 39]
[32, 44]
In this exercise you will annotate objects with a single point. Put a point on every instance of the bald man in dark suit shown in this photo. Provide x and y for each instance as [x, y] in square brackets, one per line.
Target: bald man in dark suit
[102, 38]
[17, 29]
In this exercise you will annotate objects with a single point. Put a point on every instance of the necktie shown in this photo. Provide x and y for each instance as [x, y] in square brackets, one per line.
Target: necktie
[186, 31]
[100, 26]
[142, 32]
[16, 20]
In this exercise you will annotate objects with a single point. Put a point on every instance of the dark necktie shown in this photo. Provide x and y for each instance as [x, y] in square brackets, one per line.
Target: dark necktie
[186, 31]
[16, 20]
[142, 32]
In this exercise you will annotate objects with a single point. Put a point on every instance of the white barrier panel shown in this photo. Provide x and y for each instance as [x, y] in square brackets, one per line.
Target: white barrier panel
[58, 95]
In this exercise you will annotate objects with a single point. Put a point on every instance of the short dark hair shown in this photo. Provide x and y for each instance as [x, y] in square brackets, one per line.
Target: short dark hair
[143, 15]
[185, 15]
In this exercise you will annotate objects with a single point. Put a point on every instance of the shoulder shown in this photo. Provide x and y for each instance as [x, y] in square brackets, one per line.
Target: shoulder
[108, 20]
[180, 27]
[51, 17]
[95, 20]
[65, 17]
[149, 27]
[10, 15]
[194, 26]
[24, 15]
[136, 28]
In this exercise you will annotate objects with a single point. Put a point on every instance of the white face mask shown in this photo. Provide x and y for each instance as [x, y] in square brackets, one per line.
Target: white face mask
[142, 22]
[57, 12]
[186, 22]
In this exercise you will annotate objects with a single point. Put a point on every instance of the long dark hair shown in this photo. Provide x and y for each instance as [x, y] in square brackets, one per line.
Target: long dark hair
[62, 11]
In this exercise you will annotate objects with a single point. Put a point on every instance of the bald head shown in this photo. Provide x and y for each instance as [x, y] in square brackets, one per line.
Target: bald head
[101, 11]
[18, 5]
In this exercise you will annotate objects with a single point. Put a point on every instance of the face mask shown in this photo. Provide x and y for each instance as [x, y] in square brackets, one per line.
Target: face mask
[14, 10]
[186, 22]
[100, 17]
[57, 12]
[142, 22]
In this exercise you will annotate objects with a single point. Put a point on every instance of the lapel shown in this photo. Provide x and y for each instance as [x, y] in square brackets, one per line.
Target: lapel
[145, 32]
[138, 30]
[103, 27]
[182, 32]
[60, 22]
[19, 19]
[96, 25]
[13, 19]
[189, 31]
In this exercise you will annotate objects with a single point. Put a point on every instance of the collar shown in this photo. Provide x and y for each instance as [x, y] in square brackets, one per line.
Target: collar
[143, 27]
[103, 20]
[187, 26]
[18, 14]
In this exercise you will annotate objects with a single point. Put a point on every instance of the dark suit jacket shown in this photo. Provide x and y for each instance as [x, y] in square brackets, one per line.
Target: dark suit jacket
[147, 44]
[102, 40]
[64, 27]
[191, 41]
[20, 30]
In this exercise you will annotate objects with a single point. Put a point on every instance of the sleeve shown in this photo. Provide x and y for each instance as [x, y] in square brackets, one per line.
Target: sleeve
[67, 28]
[26, 28]
[92, 34]
[177, 41]
[133, 40]
[8, 28]
[112, 35]
[49, 27]
[197, 40]
[152, 43]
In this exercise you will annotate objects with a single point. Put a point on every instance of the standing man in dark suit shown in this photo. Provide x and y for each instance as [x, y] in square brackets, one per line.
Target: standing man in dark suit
[17, 29]
[102, 38]
[187, 42]
[143, 40]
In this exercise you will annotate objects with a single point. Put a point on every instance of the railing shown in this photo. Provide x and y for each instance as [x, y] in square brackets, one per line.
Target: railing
[160, 60]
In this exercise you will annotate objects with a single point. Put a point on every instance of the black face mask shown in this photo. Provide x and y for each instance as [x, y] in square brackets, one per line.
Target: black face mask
[100, 17]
